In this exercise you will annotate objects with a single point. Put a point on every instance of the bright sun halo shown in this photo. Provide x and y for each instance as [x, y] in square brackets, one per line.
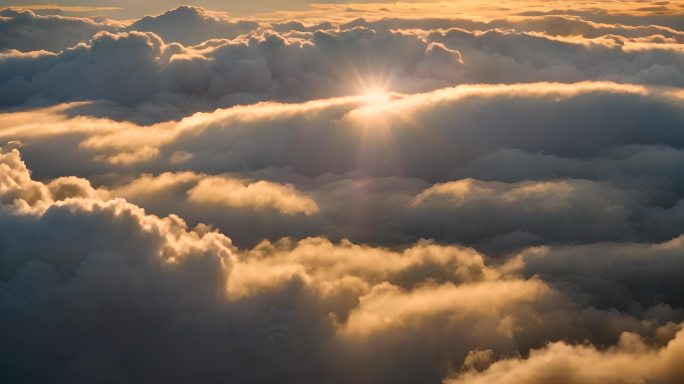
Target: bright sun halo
[376, 96]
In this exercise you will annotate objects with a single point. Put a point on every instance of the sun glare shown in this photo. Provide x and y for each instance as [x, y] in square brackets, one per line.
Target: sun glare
[375, 97]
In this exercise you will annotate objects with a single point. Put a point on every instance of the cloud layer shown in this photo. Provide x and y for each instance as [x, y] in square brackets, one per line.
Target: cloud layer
[293, 61]
[78, 306]
[496, 167]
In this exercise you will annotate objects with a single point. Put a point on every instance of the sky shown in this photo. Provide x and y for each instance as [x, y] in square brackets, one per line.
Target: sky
[133, 9]
[373, 192]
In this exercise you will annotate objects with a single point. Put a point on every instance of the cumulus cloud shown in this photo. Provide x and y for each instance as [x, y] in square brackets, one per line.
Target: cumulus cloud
[138, 69]
[25, 30]
[171, 80]
[198, 26]
[223, 191]
[508, 56]
[631, 361]
[627, 276]
[474, 211]
[496, 167]
[220, 191]
[307, 311]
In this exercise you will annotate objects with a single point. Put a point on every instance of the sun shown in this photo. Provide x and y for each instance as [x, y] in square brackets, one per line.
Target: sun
[376, 97]
[374, 90]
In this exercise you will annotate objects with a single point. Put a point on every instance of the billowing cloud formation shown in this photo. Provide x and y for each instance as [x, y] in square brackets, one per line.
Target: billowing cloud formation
[365, 193]
[169, 77]
[198, 26]
[309, 311]
[627, 274]
[497, 167]
[559, 24]
[632, 361]
[24, 30]
[320, 60]
[228, 192]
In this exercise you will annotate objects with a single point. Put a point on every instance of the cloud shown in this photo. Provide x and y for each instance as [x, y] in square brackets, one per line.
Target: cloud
[145, 297]
[198, 26]
[172, 80]
[626, 275]
[364, 193]
[472, 210]
[258, 194]
[559, 362]
[506, 56]
[25, 30]
[549, 25]
[495, 167]
[668, 17]
[171, 77]
[222, 191]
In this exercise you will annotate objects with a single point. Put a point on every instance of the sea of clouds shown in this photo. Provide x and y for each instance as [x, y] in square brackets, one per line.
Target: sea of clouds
[199, 197]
